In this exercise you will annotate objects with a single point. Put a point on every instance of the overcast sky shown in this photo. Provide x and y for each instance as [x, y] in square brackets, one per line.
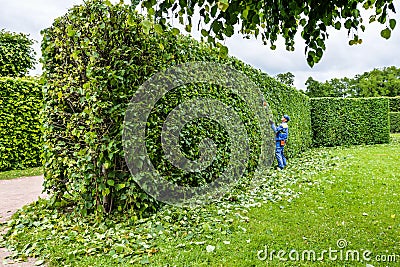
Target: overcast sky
[340, 59]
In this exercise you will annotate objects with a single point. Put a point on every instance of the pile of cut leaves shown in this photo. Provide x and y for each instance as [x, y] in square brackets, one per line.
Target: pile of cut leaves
[59, 237]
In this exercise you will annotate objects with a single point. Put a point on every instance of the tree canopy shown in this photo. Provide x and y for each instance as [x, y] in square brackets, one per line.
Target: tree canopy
[378, 82]
[267, 20]
[286, 78]
[16, 54]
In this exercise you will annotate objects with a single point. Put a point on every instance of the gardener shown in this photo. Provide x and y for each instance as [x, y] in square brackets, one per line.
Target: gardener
[282, 134]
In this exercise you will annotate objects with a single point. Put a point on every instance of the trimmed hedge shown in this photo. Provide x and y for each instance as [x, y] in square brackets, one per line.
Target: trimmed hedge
[284, 99]
[394, 122]
[349, 121]
[394, 104]
[20, 127]
[95, 57]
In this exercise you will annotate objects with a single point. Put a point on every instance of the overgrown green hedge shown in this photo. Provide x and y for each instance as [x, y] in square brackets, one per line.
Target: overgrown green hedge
[20, 126]
[349, 121]
[95, 57]
[394, 104]
[394, 122]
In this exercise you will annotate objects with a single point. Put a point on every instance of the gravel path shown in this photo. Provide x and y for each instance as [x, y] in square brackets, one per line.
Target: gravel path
[14, 194]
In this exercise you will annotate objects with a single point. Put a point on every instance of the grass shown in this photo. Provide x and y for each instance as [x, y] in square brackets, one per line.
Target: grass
[8, 175]
[357, 205]
[329, 197]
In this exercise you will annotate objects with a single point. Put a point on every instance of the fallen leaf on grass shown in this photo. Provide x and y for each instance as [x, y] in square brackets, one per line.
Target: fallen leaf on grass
[210, 248]
[39, 262]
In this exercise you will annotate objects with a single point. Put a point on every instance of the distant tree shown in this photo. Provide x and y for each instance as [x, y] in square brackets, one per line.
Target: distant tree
[16, 54]
[340, 87]
[316, 88]
[286, 78]
[378, 82]
[270, 19]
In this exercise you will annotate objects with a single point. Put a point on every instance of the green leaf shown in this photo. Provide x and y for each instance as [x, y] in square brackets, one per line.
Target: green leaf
[223, 51]
[175, 31]
[347, 24]
[245, 13]
[158, 28]
[145, 260]
[204, 33]
[338, 25]
[386, 33]
[151, 11]
[108, 3]
[146, 24]
[392, 23]
[223, 5]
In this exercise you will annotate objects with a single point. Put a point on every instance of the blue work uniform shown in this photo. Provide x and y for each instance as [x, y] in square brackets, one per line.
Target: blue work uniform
[282, 134]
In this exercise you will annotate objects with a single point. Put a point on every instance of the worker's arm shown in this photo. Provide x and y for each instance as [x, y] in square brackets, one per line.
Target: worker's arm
[276, 129]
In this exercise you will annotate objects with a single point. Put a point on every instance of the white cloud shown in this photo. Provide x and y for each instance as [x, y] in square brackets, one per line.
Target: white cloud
[340, 59]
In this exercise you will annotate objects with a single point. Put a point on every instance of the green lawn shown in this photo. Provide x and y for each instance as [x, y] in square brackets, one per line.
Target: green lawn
[328, 197]
[357, 204]
[8, 175]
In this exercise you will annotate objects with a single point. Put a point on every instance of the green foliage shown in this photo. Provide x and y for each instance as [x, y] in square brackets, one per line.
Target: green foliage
[95, 57]
[20, 133]
[333, 88]
[286, 78]
[394, 104]
[16, 54]
[270, 19]
[349, 121]
[378, 82]
[394, 122]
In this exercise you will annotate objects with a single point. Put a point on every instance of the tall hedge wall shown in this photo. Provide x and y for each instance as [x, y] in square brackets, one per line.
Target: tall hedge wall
[394, 122]
[95, 57]
[394, 104]
[20, 127]
[349, 121]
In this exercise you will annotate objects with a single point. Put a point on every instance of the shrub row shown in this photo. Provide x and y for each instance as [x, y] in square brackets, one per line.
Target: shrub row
[394, 122]
[20, 127]
[394, 104]
[349, 121]
[95, 58]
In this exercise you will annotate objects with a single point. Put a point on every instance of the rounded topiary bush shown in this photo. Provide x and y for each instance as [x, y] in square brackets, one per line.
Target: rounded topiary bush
[95, 58]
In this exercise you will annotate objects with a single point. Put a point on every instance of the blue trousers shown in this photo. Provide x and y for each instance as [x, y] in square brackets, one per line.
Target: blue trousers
[280, 156]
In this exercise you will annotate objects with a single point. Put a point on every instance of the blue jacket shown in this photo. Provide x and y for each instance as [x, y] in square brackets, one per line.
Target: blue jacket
[282, 131]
